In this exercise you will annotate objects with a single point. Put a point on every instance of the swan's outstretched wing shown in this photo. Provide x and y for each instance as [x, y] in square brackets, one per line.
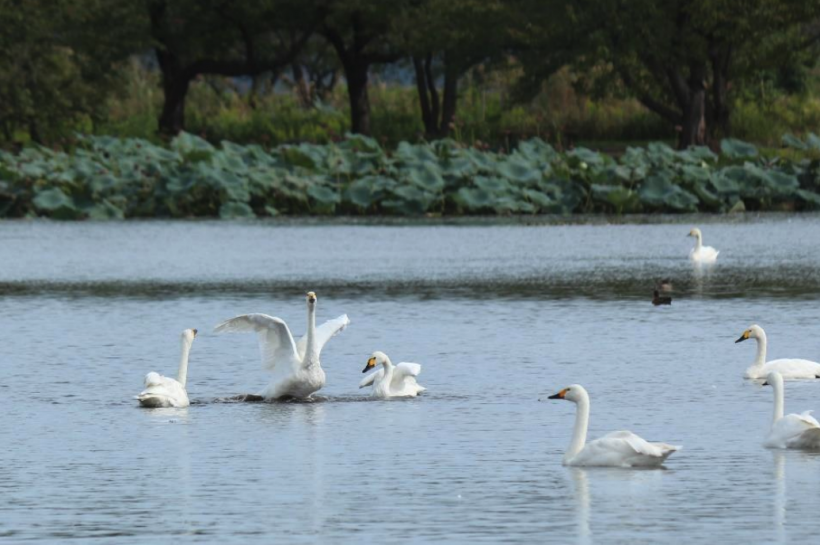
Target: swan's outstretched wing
[372, 378]
[323, 334]
[275, 341]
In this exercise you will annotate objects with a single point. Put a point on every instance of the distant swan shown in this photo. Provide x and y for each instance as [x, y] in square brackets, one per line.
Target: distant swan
[163, 391]
[796, 431]
[788, 368]
[616, 449]
[391, 380]
[296, 369]
[701, 253]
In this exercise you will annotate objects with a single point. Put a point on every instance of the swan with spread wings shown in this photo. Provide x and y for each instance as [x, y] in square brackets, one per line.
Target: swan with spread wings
[295, 365]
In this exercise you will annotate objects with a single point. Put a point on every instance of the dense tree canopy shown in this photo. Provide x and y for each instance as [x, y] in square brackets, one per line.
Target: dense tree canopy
[685, 60]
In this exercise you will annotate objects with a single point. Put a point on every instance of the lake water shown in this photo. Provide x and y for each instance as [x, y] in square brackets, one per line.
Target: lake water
[499, 314]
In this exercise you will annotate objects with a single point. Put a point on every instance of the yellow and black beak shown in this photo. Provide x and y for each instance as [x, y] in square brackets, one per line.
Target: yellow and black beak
[195, 332]
[311, 297]
[371, 363]
[559, 395]
[743, 337]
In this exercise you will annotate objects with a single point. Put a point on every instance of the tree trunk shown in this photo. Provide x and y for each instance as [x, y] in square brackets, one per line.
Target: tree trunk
[449, 100]
[356, 75]
[719, 118]
[172, 117]
[302, 88]
[693, 124]
[174, 87]
[424, 99]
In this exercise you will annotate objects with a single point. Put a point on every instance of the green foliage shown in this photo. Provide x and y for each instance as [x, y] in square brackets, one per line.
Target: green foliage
[110, 178]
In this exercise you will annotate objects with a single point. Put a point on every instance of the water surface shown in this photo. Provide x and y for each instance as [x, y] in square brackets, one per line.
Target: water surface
[499, 315]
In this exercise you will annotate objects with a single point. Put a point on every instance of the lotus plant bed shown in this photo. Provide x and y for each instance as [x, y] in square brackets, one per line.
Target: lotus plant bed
[112, 178]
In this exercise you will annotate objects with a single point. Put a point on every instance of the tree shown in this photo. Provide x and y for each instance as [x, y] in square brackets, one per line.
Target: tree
[360, 32]
[58, 62]
[446, 38]
[680, 58]
[215, 37]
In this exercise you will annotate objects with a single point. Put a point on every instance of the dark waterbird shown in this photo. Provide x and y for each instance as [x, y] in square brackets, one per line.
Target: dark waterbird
[658, 300]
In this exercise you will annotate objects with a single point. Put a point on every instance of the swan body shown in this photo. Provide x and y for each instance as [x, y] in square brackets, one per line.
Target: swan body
[788, 368]
[793, 431]
[391, 380]
[701, 253]
[295, 366]
[163, 391]
[616, 449]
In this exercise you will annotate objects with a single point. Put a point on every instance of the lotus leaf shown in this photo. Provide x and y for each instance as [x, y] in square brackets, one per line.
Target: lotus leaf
[426, 176]
[323, 194]
[410, 154]
[517, 170]
[810, 197]
[235, 210]
[360, 193]
[737, 149]
[52, 199]
[813, 141]
[105, 211]
[791, 141]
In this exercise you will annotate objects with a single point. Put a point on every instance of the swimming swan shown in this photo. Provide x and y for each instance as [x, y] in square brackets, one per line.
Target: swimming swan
[616, 449]
[163, 391]
[788, 368]
[701, 253]
[296, 369]
[391, 380]
[797, 431]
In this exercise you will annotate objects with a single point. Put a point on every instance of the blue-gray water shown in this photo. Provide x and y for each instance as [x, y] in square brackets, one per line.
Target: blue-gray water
[499, 316]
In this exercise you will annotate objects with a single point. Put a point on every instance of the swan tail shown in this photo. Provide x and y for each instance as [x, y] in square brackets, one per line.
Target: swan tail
[154, 400]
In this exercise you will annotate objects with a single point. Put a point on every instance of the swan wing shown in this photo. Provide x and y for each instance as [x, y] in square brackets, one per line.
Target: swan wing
[162, 391]
[795, 431]
[624, 448]
[793, 368]
[371, 378]
[275, 341]
[324, 332]
[403, 371]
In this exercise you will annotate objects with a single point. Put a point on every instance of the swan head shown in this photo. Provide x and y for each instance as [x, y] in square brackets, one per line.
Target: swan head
[773, 378]
[754, 332]
[376, 358]
[189, 335]
[574, 393]
[694, 232]
[311, 298]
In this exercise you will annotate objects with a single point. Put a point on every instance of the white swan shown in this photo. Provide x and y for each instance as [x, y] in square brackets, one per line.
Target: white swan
[391, 380]
[616, 449]
[163, 391]
[296, 369]
[796, 431]
[701, 253]
[789, 368]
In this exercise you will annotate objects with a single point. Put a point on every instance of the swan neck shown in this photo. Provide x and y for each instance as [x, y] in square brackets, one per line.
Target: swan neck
[579, 435]
[778, 402]
[182, 374]
[310, 350]
[760, 357]
[698, 241]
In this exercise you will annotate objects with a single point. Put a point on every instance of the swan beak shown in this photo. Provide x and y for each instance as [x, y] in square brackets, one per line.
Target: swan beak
[311, 297]
[743, 337]
[371, 363]
[765, 383]
[559, 395]
[195, 331]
